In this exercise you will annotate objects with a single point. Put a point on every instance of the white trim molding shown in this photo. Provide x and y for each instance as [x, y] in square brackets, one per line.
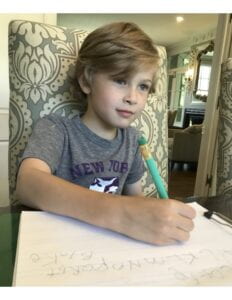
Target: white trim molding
[4, 124]
[197, 40]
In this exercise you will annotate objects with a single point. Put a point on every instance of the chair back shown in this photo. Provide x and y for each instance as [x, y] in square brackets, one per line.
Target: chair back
[41, 63]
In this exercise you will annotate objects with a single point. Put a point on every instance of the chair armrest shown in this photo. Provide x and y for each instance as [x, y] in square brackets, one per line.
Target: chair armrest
[173, 130]
[186, 147]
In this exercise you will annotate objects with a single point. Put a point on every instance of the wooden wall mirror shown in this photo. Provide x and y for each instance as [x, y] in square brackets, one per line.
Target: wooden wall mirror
[203, 70]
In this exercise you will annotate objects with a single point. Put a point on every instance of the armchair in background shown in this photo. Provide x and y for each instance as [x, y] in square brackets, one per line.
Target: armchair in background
[184, 145]
[171, 117]
[41, 63]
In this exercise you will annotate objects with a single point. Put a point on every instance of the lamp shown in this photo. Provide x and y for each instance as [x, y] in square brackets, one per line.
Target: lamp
[189, 74]
[188, 77]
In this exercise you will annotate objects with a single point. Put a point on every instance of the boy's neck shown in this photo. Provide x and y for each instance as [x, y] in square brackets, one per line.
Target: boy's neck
[104, 132]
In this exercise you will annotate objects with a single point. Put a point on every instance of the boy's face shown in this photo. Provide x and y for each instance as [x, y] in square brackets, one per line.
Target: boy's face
[116, 102]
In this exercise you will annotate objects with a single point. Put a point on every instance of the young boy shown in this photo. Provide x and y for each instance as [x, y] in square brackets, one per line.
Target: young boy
[68, 163]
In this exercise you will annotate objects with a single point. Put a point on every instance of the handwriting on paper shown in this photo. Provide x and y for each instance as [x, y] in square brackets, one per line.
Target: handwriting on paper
[185, 268]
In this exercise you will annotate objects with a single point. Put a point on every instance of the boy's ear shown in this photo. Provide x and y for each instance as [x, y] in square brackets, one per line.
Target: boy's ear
[84, 85]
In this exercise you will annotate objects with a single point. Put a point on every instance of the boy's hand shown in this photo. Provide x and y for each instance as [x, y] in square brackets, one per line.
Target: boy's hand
[157, 221]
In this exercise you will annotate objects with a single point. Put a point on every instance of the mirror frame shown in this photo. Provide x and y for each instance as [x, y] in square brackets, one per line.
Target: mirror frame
[209, 48]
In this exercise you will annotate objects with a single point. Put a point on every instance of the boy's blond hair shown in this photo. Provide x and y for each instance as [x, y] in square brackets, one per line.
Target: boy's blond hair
[119, 49]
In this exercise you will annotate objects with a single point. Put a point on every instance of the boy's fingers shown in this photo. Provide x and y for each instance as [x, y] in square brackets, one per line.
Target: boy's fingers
[185, 224]
[187, 211]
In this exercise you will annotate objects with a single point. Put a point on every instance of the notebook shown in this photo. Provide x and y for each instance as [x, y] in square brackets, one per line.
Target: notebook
[53, 250]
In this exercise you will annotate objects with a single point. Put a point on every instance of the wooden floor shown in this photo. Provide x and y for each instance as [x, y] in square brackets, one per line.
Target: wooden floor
[181, 182]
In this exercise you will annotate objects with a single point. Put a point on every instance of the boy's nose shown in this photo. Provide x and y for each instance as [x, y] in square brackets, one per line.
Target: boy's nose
[130, 97]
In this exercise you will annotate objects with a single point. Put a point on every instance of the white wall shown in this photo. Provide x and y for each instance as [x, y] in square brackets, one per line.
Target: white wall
[89, 22]
[4, 93]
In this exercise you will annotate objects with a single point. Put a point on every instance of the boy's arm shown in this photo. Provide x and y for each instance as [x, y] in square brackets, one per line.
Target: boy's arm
[38, 188]
[147, 219]
[134, 189]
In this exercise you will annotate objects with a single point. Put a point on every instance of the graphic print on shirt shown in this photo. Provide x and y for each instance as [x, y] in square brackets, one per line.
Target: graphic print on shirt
[91, 168]
[105, 184]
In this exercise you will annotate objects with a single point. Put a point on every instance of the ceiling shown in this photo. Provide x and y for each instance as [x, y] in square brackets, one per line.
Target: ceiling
[163, 28]
[166, 31]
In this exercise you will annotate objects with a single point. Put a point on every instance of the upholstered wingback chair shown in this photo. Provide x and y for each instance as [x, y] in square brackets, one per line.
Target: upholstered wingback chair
[224, 149]
[184, 145]
[41, 63]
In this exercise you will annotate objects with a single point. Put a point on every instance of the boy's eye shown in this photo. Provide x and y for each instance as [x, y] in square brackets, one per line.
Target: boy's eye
[120, 81]
[144, 87]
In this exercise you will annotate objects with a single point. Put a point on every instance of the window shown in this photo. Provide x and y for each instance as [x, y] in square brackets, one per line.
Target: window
[203, 81]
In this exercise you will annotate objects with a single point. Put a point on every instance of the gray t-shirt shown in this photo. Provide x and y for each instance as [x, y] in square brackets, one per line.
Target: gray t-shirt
[78, 155]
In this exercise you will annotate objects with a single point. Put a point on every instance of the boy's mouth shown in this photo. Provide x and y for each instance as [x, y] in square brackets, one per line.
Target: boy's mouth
[124, 113]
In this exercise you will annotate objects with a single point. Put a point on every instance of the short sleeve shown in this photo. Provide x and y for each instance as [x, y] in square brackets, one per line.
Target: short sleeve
[46, 142]
[137, 169]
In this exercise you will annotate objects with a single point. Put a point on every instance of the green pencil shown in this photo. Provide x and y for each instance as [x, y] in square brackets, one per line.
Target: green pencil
[151, 164]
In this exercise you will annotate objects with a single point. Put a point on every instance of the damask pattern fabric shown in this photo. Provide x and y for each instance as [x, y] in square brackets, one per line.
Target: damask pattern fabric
[224, 163]
[41, 68]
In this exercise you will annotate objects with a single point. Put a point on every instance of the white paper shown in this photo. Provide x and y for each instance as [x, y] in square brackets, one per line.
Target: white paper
[59, 251]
